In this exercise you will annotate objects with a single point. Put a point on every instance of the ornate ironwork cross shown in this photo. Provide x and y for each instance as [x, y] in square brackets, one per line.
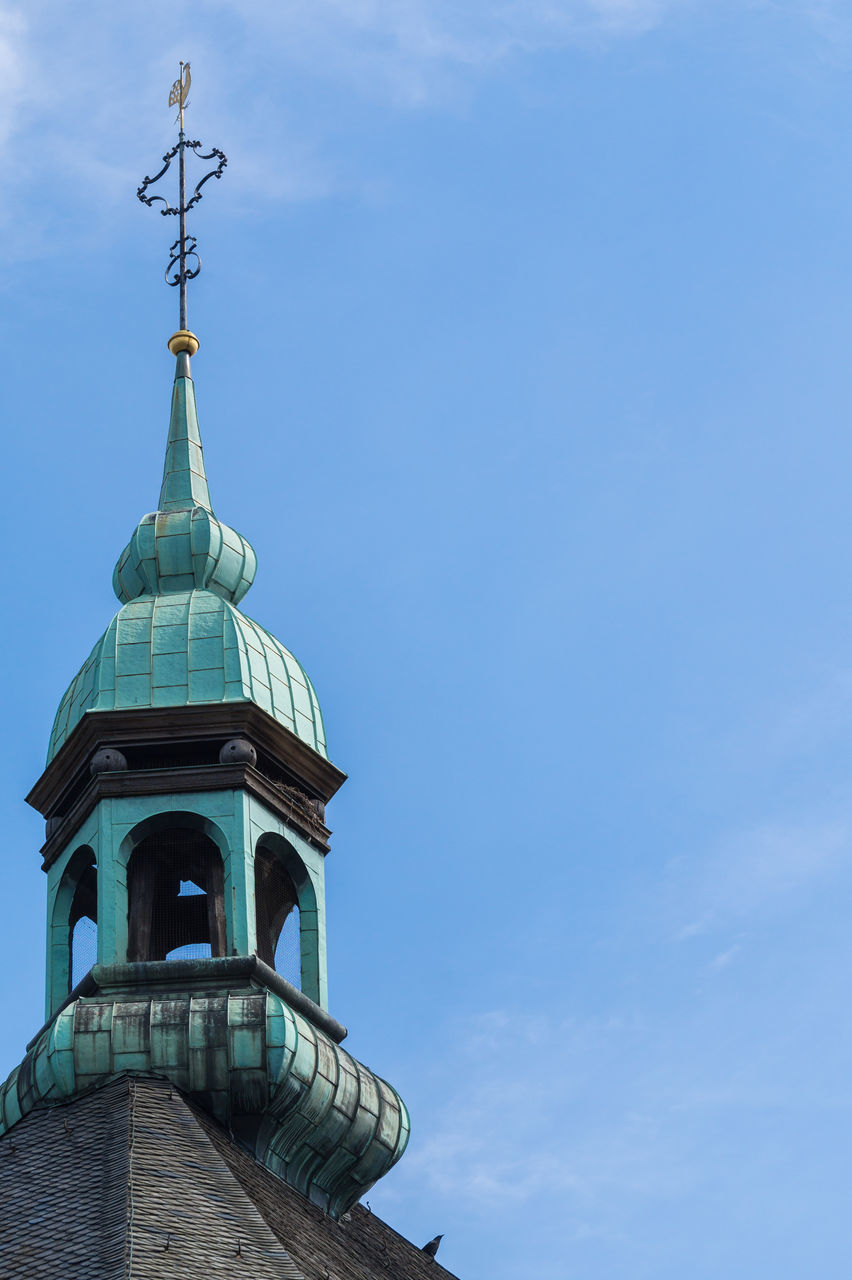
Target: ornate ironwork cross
[184, 263]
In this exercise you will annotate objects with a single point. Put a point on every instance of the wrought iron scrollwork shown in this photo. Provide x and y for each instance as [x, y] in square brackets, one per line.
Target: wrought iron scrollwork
[181, 256]
[197, 193]
[184, 263]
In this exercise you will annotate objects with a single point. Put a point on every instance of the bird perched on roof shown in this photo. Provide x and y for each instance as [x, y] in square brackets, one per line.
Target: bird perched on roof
[431, 1248]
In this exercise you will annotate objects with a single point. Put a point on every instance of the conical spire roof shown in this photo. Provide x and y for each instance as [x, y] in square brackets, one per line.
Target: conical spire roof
[184, 478]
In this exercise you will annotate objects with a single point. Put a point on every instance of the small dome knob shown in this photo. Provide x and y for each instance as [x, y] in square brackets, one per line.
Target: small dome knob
[183, 340]
[180, 550]
[107, 760]
[238, 751]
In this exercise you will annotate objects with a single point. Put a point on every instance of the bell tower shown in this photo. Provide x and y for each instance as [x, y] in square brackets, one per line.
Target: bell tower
[185, 799]
[187, 773]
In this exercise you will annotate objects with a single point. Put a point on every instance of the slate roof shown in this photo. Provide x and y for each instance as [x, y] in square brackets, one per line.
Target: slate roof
[132, 1182]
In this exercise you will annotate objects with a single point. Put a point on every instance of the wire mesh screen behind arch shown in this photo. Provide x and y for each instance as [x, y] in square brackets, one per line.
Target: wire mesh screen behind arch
[176, 897]
[277, 917]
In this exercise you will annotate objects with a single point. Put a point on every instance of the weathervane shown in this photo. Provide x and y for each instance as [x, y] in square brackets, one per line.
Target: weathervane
[184, 263]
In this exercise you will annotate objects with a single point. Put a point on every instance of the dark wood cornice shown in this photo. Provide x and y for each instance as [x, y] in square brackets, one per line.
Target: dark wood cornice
[153, 782]
[205, 723]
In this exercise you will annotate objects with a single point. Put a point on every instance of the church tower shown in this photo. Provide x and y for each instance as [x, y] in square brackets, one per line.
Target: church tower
[186, 997]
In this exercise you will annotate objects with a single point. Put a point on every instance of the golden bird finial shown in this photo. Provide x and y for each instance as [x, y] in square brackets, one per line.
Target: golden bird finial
[180, 89]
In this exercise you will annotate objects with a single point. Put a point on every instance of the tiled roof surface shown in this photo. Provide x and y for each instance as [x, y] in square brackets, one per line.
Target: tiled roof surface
[132, 1182]
[358, 1247]
[188, 1216]
[63, 1191]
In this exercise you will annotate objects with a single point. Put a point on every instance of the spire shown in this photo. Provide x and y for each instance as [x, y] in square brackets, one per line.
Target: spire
[184, 478]
[181, 546]
[184, 481]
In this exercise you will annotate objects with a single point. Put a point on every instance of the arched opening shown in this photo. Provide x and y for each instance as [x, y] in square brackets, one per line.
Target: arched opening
[278, 916]
[176, 897]
[83, 916]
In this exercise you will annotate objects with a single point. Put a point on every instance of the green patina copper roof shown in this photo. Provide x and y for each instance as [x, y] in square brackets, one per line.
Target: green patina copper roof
[323, 1122]
[182, 545]
[183, 648]
[179, 639]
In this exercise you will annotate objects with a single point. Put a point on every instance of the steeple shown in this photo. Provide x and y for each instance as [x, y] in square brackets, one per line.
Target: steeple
[184, 796]
[182, 545]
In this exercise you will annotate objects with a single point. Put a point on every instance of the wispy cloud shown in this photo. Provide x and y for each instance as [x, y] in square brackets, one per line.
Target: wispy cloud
[13, 71]
[601, 1127]
[366, 35]
[817, 720]
[504, 1140]
[725, 958]
[754, 871]
[80, 89]
[762, 863]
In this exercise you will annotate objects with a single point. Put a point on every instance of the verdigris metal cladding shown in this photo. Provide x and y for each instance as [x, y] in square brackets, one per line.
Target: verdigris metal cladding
[305, 1108]
[182, 544]
[189, 649]
[179, 640]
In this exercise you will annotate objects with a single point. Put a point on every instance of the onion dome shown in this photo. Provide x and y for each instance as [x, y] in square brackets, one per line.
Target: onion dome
[325, 1123]
[179, 638]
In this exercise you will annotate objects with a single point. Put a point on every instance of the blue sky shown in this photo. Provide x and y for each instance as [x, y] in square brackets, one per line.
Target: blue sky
[525, 367]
